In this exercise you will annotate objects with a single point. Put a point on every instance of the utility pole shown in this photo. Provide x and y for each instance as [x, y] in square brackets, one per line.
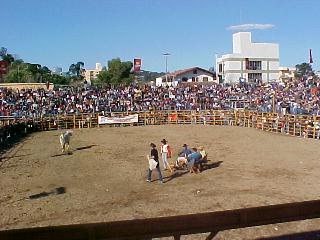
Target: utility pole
[166, 56]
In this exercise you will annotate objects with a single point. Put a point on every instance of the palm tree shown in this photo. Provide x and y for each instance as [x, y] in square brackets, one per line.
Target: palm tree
[8, 58]
[76, 69]
[72, 69]
[79, 67]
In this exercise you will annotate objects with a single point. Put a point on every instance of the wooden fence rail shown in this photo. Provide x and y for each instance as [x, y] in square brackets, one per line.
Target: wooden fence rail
[176, 226]
[294, 125]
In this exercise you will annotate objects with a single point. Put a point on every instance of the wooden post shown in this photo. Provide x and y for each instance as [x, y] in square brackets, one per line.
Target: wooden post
[176, 117]
[273, 103]
[145, 118]
[314, 129]
[74, 121]
[214, 118]
[294, 125]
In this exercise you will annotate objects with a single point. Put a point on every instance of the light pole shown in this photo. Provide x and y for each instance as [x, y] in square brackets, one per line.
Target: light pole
[166, 56]
[216, 67]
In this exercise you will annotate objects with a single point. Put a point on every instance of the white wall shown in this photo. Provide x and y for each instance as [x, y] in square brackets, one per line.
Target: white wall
[273, 76]
[232, 65]
[274, 66]
[243, 48]
[242, 45]
[232, 77]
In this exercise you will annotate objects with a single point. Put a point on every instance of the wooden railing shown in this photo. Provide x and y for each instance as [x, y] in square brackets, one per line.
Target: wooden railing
[175, 226]
[294, 125]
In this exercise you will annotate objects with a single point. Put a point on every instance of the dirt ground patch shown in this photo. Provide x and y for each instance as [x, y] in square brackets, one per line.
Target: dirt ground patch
[105, 176]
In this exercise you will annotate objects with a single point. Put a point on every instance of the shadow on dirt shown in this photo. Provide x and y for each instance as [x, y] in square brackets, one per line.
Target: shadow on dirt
[56, 191]
[72, 151]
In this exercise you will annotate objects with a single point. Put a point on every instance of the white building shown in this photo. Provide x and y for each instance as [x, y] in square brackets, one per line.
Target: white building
[91, 74]
[194, 74]
[249, 61]
[57, 70]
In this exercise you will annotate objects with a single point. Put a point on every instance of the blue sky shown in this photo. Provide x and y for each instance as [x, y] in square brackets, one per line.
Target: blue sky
[61, 32]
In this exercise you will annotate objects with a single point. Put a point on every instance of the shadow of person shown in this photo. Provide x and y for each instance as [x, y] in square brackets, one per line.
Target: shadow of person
[86, 147]
[207, 166]
[62, 154]
[174, 175]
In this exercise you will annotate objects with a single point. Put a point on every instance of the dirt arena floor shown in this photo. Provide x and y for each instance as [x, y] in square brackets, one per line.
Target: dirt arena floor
[105, 177]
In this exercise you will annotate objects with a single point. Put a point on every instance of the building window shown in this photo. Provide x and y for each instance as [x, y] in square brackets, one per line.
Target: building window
[254, 65]
[193, 79]
[220, 68]
[254, 77]
[205, 79]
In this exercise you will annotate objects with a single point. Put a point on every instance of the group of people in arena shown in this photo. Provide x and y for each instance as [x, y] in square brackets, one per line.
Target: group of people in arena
[188, 159]
[295, 97]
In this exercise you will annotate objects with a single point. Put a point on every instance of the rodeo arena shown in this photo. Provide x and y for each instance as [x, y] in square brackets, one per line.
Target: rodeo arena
[175, 159]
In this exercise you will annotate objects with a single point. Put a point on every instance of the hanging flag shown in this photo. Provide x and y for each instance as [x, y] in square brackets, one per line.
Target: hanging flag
[310, 56]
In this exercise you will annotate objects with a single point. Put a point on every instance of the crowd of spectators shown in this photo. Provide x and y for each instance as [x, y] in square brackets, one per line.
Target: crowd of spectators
[295, 97]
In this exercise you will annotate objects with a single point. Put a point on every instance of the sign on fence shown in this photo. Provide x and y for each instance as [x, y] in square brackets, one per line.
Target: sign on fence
[172, 117]
[126, 119]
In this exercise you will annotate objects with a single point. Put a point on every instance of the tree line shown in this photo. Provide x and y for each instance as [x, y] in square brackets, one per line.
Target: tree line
[18, 71]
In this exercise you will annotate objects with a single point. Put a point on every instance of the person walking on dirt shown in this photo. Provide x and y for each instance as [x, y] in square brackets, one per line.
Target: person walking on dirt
[154, 163]
[164, 154]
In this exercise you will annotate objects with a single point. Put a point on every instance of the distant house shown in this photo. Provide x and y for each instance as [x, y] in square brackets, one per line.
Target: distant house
[194, 74]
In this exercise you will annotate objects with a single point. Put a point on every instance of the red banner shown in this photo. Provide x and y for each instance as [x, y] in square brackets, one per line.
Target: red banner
[136, 64]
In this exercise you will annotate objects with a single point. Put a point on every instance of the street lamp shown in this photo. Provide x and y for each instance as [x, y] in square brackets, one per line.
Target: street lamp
[166, 56]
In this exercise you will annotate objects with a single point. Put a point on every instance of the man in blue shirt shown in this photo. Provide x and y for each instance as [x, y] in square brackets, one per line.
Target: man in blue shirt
[193, 159]
[183, 154]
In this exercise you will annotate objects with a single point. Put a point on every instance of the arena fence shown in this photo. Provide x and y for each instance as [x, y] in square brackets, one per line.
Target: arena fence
[294, 125]
[175, 226]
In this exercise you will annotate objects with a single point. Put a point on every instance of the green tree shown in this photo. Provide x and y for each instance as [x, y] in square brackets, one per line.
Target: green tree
[118, 73]
[304, 70]
[58, 80]
[104, 77]
[18, 72]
